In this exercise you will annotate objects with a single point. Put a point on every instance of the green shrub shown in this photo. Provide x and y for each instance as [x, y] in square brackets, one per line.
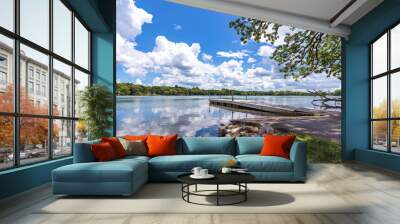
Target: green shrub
[321, 150]
[97, 104]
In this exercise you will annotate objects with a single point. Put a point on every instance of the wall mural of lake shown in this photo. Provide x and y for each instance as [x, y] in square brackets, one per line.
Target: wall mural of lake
[168, 68]
[185, 115]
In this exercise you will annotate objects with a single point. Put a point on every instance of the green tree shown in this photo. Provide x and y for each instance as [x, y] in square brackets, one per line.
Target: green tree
[303, 52]
[123, 89]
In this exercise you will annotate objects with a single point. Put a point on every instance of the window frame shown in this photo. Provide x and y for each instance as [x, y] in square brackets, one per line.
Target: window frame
[388, 74]
[16, 114]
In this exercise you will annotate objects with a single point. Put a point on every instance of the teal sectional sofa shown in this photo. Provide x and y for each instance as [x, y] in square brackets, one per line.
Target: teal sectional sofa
[125, 176]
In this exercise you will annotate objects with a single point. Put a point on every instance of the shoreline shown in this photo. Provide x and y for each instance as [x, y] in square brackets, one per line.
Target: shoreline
[326, 127]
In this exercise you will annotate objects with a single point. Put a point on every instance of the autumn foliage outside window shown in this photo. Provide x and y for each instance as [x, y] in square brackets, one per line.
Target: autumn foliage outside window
[33, 131]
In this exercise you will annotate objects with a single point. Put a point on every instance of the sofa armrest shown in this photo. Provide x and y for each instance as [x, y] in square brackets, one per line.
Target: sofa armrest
[298, 155]
[83, 152]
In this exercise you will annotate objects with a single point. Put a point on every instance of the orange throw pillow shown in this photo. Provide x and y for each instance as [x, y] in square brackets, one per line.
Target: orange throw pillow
[161, 145]
[103, 152]
[275, 145]
[116, 145]
[136, 137]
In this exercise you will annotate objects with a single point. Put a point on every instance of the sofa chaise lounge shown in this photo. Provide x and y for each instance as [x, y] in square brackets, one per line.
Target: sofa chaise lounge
[125, 176]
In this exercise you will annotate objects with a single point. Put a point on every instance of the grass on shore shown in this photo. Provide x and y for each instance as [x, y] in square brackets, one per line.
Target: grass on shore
[321, 150]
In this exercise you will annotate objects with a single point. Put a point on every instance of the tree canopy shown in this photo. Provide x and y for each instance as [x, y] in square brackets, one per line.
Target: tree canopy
[303, 52]
[129, 89]
[33, 131]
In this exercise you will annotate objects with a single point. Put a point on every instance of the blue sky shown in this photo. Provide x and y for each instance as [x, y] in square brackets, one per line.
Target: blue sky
[163, 43]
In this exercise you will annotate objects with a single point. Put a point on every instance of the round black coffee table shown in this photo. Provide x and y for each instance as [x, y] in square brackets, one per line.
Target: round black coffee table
[238, 179]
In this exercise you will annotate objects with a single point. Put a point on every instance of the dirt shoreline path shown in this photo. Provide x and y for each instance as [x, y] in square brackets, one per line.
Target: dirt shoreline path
[327, 126]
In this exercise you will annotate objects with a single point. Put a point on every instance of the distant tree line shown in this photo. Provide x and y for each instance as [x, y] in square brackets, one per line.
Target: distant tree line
[129, 89]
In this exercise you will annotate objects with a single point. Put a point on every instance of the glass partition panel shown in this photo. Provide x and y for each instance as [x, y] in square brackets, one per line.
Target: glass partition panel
[395, 47]
[34, 81]
[379, 98]
[34, 21]
[6, 74]
[6, 142]
[33, 140]
[81, 82]
[62, 29]
[7, 14]
[81, 45]
[395, 95]
[62, 138]
[379, 135]
[395, 136]
[62, 89]
[379, 56]
[81, 131]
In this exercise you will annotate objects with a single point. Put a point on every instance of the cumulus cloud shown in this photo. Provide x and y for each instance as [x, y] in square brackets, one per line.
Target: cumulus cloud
[167, 57]
[130, 19]
[177, 27]
[265, 51]
[251, 60]
[233, 54]
[257, 72]
[206, 57]
[184, 64]
[138, 81]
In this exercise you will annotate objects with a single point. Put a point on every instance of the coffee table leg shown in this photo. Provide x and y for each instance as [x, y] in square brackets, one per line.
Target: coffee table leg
[195, 188]
[188, 189]
[217, 194]
[245, 193]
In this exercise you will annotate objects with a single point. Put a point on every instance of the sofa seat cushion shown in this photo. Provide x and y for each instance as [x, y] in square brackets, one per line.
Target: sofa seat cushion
[112, 171]
[133, 158]
[257, 163]
[185, 163]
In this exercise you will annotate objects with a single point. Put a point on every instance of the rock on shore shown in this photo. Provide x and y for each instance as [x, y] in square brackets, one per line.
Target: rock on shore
[238, 129]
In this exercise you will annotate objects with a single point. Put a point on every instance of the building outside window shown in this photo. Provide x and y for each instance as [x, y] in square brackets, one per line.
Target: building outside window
[3, 71]
[34, 75]
[3, 61]
[30, 87]
[3, 78]
[30, 72]
[37, 74]
[38, 89]
[43, 90]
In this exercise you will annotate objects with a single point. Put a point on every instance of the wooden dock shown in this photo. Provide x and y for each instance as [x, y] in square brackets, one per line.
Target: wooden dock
[282, 110]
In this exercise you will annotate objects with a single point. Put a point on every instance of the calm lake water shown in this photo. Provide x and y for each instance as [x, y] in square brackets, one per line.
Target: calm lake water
[185, 115]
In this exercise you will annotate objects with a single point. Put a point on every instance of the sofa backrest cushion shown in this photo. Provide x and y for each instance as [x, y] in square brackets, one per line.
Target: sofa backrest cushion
[206, 145]
[249, 145]
[161, 145]
[83, 152]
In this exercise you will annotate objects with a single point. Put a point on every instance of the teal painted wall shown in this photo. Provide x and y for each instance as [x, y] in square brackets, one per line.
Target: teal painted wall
[103, 52]
[100, 16]
[355, 130]
[24, 178]
[379, 159]
[103, 63]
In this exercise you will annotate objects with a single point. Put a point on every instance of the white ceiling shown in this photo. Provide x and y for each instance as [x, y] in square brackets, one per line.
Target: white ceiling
[319, 15]
[321, 9]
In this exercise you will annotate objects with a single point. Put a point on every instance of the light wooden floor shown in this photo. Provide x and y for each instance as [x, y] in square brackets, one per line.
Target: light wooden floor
[379, 189]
